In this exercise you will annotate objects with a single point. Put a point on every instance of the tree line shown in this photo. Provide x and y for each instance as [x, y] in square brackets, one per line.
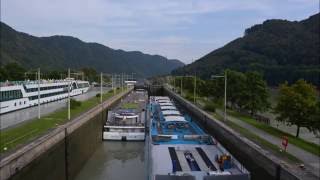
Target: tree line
[297, 104]
[15, 72]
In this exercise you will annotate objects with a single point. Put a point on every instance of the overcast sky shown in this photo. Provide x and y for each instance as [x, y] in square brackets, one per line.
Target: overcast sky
[180, 29]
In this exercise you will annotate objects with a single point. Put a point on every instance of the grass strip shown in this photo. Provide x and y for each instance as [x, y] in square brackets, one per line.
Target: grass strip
[260, 141]
[305, 145]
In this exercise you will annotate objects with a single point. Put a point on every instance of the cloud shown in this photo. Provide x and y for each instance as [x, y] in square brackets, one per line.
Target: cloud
[183, 29]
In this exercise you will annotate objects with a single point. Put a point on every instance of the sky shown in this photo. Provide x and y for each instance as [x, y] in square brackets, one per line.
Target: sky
[177, 29]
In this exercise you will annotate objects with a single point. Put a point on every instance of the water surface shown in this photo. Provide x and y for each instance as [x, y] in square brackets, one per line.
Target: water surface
[115, 160]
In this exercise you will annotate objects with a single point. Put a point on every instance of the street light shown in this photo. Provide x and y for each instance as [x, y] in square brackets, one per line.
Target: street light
[107, 84]
[194, 87]
[225, 92]
[38, 82]
[69, 101]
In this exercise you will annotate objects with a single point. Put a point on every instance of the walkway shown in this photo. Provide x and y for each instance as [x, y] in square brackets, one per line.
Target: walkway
[310, 160]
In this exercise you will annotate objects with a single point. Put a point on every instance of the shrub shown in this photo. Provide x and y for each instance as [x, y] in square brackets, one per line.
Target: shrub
[209, 106]
[189, 97]
[98, 95]
[74, 103]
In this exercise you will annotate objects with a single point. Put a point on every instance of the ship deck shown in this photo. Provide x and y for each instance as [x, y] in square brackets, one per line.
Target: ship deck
[133, 107]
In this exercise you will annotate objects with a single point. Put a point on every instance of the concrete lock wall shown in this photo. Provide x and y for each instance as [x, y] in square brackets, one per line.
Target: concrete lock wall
[61, 153]
[261, 164]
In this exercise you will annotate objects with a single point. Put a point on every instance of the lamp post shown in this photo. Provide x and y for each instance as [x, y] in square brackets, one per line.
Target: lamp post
[108, 84]
[181, 85]
[225, 92]
[37, 79]
[101, 88]
[194, 87]
[69, 101]
[174, 84]
[39, 109]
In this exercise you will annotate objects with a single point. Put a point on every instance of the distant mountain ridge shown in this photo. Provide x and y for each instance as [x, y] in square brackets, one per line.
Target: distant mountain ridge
[61, 52]
[281, 50]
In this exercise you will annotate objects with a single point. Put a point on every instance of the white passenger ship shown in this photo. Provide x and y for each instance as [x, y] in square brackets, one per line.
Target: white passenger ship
[18, 95]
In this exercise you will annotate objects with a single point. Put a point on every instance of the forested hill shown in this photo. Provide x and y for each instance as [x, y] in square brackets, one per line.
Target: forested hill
[282, 50]
[61, 52]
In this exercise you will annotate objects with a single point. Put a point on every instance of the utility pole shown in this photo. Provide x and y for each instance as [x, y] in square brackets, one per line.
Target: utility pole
[195, 89]
[225, 95]
[181, 86]
[122, 81]
[174, 83]
[39, 109]
[112, 87]
[225, 92]
[69, 101]
[101, 88]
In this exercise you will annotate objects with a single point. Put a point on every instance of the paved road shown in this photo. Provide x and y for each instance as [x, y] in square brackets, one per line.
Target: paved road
[310, 160]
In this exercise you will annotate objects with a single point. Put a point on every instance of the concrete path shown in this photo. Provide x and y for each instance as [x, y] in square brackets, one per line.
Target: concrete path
[310, 160]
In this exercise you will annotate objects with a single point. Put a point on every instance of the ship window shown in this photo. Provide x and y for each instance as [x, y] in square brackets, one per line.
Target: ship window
[15, 104]
[10, 95]
[74, 85]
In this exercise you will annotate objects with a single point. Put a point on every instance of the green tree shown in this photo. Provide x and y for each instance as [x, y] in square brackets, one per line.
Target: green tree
[3, 74]
[315, 125]
[90, 74]
[15, 72]
[236, 87]
[255, 96]
[297, 105]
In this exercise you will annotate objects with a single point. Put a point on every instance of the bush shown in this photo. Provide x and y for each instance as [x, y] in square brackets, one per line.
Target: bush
[210, 107]
[98, 95]
[189, 97]
[74, 103]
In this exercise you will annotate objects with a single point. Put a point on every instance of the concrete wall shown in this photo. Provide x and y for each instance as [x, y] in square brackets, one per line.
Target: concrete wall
[61, 153]
[259, 162]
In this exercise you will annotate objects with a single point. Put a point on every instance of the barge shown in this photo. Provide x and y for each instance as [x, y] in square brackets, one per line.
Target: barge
[180, 149]
[127, 121]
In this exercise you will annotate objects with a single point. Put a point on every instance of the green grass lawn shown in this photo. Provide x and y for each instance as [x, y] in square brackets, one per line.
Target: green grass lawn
[129, 106]
[308, 146]
[25, 132]
[265, 144]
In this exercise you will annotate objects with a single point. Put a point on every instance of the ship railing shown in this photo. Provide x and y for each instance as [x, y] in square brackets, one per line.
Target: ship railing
[14, 83]
[124, 124]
